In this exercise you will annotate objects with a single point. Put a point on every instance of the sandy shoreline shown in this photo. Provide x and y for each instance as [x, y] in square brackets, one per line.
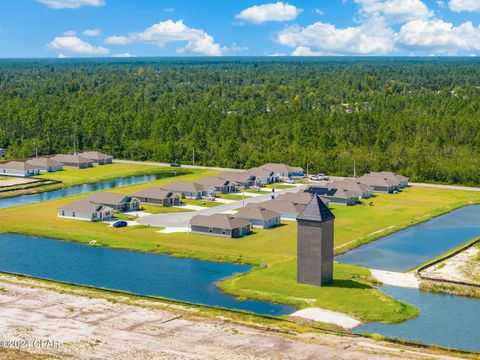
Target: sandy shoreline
[98, 328]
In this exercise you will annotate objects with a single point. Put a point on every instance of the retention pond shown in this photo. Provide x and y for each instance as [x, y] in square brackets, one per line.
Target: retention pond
[139, 273]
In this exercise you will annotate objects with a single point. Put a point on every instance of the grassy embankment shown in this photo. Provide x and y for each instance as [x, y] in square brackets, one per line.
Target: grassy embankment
[72, 177]
[352, 291]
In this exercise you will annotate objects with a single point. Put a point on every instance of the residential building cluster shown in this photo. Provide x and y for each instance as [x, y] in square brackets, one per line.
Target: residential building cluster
[35, 166]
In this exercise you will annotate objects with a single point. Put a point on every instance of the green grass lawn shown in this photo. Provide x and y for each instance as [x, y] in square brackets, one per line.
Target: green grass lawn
[204, 203]
[153, 209]
[253, 191]
[126, 217]
[279, 186]
[353, 292]
[235, 197]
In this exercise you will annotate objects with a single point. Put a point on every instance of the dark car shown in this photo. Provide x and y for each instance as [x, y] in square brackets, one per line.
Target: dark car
[175, 164]
[119, 224]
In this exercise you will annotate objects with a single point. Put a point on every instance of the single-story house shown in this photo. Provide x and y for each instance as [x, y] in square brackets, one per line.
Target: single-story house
[19, 168]
[379, 183]
[158, 196]
[220, 225]
[191, 190]
[46, 164]
[259, 217]
[263, 175]
[284, 171]
[402, 181]
[222, 186]
[362, 190]
[3, 152]
[97, 157]
[299, 197]
[85, 210]
[118, 202]
[334, 195]
[242, 179]
[288, 210]
[75, 161]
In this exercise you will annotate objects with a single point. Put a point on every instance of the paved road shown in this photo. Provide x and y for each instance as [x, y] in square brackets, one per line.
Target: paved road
[182, 219]
[183, 166]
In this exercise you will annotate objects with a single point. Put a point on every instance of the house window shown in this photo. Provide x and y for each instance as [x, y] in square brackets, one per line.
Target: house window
[63, 213]
[94, 215]
[73, 213]
[211, 230]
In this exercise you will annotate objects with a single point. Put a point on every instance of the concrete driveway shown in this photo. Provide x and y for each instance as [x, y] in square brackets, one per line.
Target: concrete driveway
[183, 219]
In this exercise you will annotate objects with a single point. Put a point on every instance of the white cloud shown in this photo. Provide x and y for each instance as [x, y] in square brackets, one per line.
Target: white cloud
[396, 10]
[319, 11]
[171, 9]
[74, 45]
[464, 5]
[260, 14]
[439, 37]
[370, 38]
[124, 55]
[70, 33]
[71, 4]
[163, 33]
[92, 32]
[61, 56]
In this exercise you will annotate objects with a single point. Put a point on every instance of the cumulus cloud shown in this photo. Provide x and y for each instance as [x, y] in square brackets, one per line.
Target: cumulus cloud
[92, 32]
[75, 45]
[396, 10]
[260, 14]
[71, 4]
[123, 55]
[371, 37]
[464, 5]
[440, 37]
[70, 33]
[163, 33]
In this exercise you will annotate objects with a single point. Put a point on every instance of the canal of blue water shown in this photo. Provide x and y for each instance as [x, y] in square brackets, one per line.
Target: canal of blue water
[139, 273]
[77, 190]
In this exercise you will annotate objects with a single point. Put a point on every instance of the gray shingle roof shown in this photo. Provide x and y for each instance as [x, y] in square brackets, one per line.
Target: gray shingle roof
[220, 221]
[237, 176]
[155, 193]
[95, 155]
[257, 212]
[185, 186]
[316, 210]
[43, 161]
[108, 198]
[18, 165]
[83, 206]
[73, 159]
[213, 181]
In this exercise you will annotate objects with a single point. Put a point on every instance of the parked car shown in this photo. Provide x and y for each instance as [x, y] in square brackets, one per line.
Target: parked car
[175, 164]
[119, 224]
[322, 177]
[313, 178]
[289, 181]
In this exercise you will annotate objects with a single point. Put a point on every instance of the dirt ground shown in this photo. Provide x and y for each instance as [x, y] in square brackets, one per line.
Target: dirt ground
[463, 267]
[51, 324]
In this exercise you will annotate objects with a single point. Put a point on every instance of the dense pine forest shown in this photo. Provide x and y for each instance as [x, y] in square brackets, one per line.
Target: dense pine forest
[419, 117]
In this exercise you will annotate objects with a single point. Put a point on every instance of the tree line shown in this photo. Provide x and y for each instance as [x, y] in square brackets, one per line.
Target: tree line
[419, 117]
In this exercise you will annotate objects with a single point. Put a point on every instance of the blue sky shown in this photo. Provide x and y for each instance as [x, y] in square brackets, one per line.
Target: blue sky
[84, 28]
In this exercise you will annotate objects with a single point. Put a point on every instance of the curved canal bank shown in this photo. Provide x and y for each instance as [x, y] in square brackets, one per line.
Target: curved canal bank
[79, 189]
[139, 273]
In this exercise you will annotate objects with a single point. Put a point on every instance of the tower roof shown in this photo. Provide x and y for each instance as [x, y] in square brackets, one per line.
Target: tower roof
[316, 210]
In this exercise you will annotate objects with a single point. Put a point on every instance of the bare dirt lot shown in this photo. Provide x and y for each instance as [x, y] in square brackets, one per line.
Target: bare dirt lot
[463, 267]
[68, 325]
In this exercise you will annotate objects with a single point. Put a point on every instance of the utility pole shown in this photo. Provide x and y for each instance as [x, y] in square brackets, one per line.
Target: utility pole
[354, 169]
[193, 157]
[308, 166]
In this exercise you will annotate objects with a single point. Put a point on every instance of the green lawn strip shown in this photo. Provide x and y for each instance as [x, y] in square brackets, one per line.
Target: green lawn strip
[121, 216]
[253, 191]
[153, 209]
[235, 197]
[204, 203]
[352, 292]
[279, 186]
